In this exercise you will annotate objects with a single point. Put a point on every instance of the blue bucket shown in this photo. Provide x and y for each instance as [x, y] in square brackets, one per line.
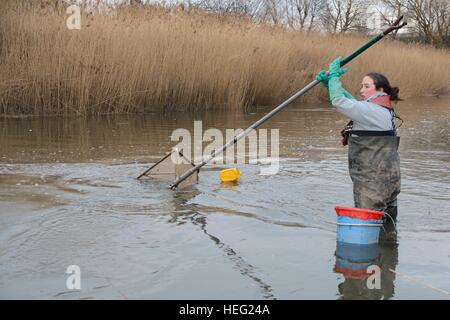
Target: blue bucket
[358, 231]
[357, 252]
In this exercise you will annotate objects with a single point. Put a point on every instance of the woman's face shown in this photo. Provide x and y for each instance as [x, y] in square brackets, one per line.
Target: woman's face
[368, 87]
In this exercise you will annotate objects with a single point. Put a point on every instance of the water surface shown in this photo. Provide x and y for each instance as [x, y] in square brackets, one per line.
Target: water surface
[69, 196]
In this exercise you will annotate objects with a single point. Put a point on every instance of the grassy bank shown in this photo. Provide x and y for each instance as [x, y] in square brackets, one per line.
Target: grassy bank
[151, 59]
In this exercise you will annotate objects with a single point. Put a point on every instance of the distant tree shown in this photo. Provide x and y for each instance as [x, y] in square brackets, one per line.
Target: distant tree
[297, 14]
[308, 12]
[246, 7]
[431, 20]
[272, 11]
[390, 11]
[340, 16]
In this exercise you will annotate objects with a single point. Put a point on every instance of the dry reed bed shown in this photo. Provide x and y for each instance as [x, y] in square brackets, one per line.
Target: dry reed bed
[141, 60]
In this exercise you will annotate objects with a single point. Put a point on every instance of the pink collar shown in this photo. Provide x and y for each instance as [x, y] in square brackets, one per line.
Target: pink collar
[384, 101]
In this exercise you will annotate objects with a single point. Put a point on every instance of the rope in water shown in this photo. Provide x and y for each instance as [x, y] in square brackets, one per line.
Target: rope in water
[420, 282]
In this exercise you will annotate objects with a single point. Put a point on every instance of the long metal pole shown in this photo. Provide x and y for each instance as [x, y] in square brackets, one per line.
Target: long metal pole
[283, 105]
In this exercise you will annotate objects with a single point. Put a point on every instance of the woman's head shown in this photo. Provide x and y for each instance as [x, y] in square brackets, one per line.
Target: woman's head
[374, 82]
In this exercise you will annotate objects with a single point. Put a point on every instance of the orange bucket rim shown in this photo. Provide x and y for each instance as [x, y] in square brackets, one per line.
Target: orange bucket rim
[344, 211]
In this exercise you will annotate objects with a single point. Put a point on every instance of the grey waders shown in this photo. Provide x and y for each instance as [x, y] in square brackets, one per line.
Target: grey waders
[374, 166]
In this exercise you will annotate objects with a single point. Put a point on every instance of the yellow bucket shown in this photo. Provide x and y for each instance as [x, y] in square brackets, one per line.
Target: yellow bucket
[229, 175]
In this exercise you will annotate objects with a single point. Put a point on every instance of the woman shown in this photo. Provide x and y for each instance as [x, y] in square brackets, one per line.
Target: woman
[374, 163]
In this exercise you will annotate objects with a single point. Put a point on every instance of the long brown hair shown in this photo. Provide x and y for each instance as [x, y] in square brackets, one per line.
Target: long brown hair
[381, 81]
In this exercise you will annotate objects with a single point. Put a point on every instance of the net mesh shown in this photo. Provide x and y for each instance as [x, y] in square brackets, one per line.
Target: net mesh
[168, 169]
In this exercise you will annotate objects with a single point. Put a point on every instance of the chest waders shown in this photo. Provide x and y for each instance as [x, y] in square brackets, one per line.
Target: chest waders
[374, 167]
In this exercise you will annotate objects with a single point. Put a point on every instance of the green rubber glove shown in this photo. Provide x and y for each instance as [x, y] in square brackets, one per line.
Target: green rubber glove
[334, 82]
[324, 76]
[335, 88]
[324, 79]
[348, 95]
[335, 68]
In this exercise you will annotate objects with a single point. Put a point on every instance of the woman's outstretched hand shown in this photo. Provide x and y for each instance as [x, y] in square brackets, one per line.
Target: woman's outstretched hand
[334, 71]
[335, 68]
[323, 77]
[335, 88]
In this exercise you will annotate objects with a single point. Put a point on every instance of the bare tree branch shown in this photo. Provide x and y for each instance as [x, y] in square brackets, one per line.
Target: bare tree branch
[431, 20]
[344, 15]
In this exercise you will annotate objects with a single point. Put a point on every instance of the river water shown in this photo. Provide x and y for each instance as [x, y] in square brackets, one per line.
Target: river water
[69, 196]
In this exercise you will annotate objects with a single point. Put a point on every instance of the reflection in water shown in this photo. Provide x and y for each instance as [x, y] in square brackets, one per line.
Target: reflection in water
[244, 267]
[352, 261]
[228, 185]
[190, 211]
[71, 183]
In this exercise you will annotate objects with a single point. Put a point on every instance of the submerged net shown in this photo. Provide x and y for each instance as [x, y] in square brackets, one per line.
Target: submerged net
[170, 168]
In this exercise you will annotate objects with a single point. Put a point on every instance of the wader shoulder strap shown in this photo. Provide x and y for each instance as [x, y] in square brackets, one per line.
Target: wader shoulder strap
[394, 115]
[345, 133]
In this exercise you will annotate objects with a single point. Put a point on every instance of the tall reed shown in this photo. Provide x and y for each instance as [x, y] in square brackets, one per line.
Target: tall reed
[143, 59]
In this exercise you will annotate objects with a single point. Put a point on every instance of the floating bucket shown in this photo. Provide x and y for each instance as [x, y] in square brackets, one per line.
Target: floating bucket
[230, 175]
[358, 226]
